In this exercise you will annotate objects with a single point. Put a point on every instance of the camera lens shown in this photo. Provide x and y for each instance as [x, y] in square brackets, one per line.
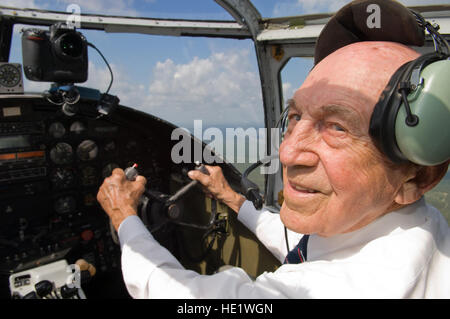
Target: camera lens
[71, 44]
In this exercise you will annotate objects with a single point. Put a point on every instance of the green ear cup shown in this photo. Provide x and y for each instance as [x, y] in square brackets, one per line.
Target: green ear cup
[427, 143]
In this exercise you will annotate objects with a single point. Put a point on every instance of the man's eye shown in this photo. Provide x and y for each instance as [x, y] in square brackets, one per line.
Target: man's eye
[295, 117]
[337, 127]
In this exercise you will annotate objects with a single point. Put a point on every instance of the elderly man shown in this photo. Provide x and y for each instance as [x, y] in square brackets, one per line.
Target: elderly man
[364, 221]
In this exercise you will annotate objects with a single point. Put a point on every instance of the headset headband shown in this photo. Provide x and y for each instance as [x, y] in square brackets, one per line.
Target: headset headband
[350, 25]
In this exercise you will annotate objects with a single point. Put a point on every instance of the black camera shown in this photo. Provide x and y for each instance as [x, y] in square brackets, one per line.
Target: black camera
[58, 55]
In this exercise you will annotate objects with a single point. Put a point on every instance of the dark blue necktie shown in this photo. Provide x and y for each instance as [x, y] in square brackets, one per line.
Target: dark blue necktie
[298, 254]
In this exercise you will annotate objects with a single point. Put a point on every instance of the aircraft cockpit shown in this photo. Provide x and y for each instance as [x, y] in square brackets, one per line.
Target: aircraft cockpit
[70, 114]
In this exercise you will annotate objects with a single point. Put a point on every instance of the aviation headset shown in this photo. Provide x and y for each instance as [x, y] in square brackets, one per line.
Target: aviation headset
[411, 121]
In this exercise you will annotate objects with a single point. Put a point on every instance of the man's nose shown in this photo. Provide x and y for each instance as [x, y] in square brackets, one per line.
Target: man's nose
[300, 145]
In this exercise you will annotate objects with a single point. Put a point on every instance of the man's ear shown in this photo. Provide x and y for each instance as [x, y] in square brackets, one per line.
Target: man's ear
[426, 178]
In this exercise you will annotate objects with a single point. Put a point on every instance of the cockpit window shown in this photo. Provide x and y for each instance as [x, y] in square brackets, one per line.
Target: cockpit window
[206, 85]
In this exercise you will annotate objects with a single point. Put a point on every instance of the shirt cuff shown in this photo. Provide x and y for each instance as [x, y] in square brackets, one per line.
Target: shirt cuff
[248, 215]
[131, 227]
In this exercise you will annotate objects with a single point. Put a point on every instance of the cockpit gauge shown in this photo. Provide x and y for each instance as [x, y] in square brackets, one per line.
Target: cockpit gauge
[65, 205]
[88, 176]
[107, 170]
[77, 127]
[56, 130]
[62, 178]
[110, 146]
[87, 150]
[61, 153]
[10, 76]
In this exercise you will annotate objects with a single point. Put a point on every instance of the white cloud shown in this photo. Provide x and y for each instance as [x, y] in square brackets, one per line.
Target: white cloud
[288, 90]
[220, 89]
[130, 93]
[217, 89]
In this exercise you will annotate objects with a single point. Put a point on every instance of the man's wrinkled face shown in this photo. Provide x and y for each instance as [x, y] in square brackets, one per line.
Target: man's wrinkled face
[335, 180]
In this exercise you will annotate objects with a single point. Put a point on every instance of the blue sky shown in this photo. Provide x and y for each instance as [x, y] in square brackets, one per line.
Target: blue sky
[183, 79]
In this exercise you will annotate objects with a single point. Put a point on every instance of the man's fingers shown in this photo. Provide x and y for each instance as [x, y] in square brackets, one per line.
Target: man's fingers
[141, 179]
[207, 192]
[100, 195]
[199, 176]
[118, 172]
[214, 170]
[210, 169]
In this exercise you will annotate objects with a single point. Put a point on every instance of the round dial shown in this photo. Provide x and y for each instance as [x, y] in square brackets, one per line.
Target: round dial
[62, 178]
[9, 75]
[57, 130]
[65, 205]
[61, 154]
[87, 150]
[77, 127]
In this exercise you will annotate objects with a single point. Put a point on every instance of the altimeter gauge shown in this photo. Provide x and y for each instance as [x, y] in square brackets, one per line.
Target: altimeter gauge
[10, 78]
[57, 130]
[61, 153]
[62, 178]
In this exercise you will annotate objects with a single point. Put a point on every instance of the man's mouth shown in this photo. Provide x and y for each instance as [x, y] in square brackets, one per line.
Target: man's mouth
[303, 189]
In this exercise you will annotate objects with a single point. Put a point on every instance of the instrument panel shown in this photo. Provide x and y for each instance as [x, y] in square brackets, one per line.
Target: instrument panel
[51, 167]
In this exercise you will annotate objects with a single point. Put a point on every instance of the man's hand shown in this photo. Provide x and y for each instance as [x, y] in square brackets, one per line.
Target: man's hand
[120, 197]
[215, 185]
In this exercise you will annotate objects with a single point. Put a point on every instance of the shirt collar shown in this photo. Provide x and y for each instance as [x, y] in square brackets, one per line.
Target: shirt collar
[343, 245]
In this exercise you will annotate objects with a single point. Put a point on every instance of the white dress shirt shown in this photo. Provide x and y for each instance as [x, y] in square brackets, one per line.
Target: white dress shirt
[403, 254]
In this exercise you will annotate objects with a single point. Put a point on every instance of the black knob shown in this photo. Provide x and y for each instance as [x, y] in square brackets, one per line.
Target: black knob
[16, 295]
[67, 292]
[43, 288]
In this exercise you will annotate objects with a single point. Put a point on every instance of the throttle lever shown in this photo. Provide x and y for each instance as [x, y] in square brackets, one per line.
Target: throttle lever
[131, 172]
[188, 187]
